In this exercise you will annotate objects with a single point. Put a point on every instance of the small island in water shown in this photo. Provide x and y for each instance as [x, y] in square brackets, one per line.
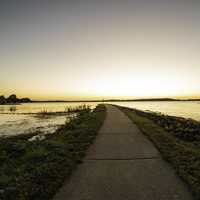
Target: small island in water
[12, 99]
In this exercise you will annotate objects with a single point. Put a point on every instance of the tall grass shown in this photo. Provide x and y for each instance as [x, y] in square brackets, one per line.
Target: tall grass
[68, 110]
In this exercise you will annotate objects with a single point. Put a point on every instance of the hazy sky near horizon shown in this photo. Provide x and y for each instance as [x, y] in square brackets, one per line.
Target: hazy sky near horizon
[100, 49]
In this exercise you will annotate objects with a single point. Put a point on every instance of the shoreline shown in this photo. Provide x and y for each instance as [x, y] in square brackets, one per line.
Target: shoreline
[41, 166]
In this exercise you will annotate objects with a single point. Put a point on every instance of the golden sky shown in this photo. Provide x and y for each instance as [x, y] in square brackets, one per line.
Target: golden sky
[100, 49]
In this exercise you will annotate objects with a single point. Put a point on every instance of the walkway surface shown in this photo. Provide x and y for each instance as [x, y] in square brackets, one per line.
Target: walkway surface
[123, 165]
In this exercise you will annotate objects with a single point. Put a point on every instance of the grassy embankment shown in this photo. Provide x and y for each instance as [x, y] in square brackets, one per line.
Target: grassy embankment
[37, 169]
[177, 139]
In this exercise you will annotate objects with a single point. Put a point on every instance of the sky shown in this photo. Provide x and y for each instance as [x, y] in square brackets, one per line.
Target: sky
[97, 49]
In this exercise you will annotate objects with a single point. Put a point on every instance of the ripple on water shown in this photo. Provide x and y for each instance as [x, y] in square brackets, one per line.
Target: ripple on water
[19, 124]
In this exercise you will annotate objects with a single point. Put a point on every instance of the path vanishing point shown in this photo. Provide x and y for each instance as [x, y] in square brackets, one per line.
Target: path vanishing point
[123, 164]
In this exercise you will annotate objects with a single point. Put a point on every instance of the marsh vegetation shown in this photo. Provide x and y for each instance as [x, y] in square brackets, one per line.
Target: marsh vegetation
[44, 120]
[36, 169]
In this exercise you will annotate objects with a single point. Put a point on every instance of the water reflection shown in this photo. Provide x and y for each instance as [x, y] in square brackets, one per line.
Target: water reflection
[27, 108]
[31, 117]
[186, 109]
[20, 124]
[27, 118]
[13, 109]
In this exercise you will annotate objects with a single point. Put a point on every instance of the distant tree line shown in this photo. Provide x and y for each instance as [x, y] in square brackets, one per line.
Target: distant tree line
[12, 99]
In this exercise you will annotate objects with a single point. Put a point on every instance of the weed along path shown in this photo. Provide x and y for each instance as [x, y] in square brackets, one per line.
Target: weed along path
[123, 164]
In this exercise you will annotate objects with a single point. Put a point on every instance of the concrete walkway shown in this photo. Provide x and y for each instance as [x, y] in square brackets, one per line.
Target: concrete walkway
[123, 165]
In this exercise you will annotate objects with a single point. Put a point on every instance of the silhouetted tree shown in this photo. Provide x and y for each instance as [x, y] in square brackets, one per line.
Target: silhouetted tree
[12, 99]
[2, 100]
[25, 100]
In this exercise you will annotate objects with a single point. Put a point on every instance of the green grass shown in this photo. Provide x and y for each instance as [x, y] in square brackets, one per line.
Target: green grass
[36, 170]
[182, 152]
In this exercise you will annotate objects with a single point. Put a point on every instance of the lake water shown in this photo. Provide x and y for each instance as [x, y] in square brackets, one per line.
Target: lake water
[24, 118]
[39, 107]
[186, 109]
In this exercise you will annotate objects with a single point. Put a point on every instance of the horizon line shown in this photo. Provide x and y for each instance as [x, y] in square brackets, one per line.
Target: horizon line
[119, 99]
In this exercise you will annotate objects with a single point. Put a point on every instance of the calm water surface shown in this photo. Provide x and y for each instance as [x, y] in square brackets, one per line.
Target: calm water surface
[18, 119]
[38, 107]
[23, 118]
[186, 109]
